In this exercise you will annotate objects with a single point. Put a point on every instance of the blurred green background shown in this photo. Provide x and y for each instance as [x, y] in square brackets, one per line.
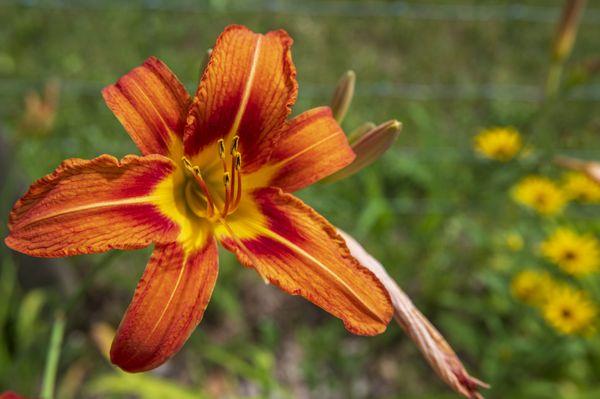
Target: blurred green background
[434, 213]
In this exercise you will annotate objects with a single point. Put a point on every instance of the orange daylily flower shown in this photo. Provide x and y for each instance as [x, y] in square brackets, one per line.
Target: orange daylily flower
[218, 167]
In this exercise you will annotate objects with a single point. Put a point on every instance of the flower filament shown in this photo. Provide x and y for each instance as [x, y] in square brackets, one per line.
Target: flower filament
[203, 203]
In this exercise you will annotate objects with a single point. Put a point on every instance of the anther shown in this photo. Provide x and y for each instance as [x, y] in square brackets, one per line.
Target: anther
[227, 202]
[221, 144]
[238, 161]
[188, 165]
[234, 144]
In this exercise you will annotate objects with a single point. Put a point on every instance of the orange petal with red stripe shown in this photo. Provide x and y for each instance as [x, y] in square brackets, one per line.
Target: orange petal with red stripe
[152, 105]
[299, 251]
[247, 90]
[89, 206]
[311, 147]
[168, 304]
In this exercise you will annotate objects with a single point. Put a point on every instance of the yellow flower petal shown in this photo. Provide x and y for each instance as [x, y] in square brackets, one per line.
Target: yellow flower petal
[499, 143]
[574, 253]
[570, 311]
[541, 194]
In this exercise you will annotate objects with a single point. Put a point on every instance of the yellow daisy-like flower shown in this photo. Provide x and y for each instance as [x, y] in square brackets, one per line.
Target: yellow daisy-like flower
[578, 186]
[576, 254]
[541, 194]
[570, 311]
[498, 143]
[532, 286]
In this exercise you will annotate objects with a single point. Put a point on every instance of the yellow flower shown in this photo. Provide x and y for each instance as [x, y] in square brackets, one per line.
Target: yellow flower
[580, 187]
[532, 286]
[576, 254]
[498, 143]
[570, 311]
[541, 194]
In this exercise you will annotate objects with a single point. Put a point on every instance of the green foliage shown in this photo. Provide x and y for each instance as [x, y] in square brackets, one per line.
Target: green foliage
[141, 386]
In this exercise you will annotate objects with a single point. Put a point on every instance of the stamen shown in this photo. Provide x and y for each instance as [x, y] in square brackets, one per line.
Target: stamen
[234, 144]
[226, 182]
[238, 183]
[233, 170]
[197, 175]
[191, 194]
[221, 145]
[232, 180]
[188, 165]
[221, 148]
[238, 195]
[210, 207]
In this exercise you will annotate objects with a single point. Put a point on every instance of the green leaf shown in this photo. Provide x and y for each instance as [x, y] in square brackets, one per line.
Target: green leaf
[143, 386]
[27, 318]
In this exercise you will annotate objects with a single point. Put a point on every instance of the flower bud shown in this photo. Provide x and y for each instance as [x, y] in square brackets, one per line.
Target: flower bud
[368, 146]
[360, 131]
[342, 96]
[40, 110]
[567, 29]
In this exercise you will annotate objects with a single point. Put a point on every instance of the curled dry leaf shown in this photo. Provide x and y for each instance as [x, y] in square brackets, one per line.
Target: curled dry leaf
[428, 339]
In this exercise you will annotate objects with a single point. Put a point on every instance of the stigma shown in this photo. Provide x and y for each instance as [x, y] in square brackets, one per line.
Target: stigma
[204, 200]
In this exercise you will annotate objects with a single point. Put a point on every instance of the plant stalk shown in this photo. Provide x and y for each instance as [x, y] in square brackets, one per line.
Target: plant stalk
[53, 356]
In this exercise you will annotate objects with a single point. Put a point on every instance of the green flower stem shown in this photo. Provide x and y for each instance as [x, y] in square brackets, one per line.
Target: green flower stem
[554, 79]
[58, 331]
[58, 328]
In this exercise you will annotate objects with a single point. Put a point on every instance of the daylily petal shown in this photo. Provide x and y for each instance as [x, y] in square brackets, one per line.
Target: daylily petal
[152, 105]
[247, 89]
[168, 304]
[311, 147]
[89, 206]
[296, 249]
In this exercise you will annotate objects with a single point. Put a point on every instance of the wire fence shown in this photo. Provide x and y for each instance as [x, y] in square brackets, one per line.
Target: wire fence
[388, 90]
[344, 8]
[353, 9]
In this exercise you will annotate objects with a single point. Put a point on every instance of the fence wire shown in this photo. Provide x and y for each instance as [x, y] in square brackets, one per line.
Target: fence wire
[397, 91]
[354, 9]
